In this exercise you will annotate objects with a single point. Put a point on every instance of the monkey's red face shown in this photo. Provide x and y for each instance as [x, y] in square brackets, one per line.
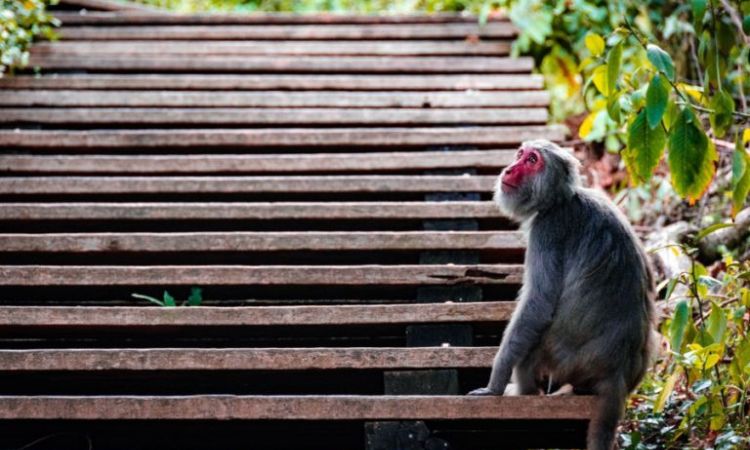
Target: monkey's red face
[529, 162]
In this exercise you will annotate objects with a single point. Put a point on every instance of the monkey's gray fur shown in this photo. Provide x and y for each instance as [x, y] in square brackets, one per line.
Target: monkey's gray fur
[585, 310]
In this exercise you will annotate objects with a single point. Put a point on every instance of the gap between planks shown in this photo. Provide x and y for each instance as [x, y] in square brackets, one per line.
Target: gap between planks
[210, 316]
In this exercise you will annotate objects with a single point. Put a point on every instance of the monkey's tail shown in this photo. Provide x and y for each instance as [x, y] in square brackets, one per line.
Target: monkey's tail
[608, 409]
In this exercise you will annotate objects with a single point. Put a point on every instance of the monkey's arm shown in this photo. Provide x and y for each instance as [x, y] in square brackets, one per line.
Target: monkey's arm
[536, 308]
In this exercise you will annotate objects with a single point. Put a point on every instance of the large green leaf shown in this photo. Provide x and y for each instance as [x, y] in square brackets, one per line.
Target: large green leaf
[699, 11]
[679, 325]
[740, 176]
[657, 96]
[614, 62]
[645, 148]
[661, 60]
[691, 157]
[723, 115]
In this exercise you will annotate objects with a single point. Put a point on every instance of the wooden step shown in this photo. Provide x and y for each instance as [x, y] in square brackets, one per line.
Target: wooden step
[259, 241]
[212, 316]
[285, 64]
[226, 407]
[247, 211]
[259, 17]
[274, 359]
[272, 99]
[381, 82]
[247, 47]
[280, 163]
[226, 184]
[397, 275]
[276, 137]
[273, 116]
[289, 32]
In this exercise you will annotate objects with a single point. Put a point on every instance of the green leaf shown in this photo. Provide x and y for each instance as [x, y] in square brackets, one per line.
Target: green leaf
[691, 157]
[699, 11]
[723, 116]
[614, 62]
[746, 24]
[661, 60]
[148, 298]
[645, 148]
[666, 390]
[717, 323]
[594, 43]
[708, 230]
[613, 106]
[196, 296]
[740, 176]
[657, 97]
[679, 325]
[169, 300]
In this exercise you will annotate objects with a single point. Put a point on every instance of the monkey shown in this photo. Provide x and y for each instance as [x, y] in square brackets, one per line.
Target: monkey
[585, 315]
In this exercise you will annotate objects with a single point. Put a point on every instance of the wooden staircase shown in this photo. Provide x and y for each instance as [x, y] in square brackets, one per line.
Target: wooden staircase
[325, 180]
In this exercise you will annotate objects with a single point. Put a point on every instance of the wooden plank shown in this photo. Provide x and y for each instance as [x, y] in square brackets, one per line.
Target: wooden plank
[276, 81]
[308, 407]
[246, 211]
[286, 64]
[224, 184]
[357, 358]
[289, 163]
[491, 30]
[278, 137]
[214, 48]
[273, 116]
[272, 99]
[208, 316]
[262, 18]
[363, 275]
[259, 241]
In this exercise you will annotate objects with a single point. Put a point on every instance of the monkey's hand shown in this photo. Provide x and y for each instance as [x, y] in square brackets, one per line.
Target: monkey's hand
[484, 391]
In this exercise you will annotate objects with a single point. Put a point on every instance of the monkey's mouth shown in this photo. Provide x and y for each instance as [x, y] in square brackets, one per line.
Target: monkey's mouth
[508, 185]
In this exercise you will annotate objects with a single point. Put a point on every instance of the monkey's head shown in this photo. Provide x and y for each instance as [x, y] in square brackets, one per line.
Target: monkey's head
[540, 177]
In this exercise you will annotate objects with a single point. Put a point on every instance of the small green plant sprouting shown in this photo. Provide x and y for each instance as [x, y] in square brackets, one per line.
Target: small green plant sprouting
[194, 299]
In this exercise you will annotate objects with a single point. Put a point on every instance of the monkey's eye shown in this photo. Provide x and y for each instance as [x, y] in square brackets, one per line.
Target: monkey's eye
[532, 159]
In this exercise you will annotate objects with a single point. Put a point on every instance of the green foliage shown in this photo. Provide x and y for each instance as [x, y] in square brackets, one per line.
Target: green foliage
[697, 394]
[22, 21]
[645, 147]
[167, 301]
[691, 156]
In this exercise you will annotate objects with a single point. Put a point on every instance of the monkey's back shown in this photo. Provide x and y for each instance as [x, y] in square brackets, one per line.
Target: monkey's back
[603, 323]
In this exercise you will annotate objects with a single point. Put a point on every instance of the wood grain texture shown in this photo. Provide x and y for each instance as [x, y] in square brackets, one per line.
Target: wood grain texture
[273, 116]
[247, 211]
[399, 275]
[208, 316]
[259, 241]
[272, 99]
[285, 64]
[290, 32]
[278, 137]
[274, 359]
[279, 163]
[85, 49]
[381, 82]
[225, 407]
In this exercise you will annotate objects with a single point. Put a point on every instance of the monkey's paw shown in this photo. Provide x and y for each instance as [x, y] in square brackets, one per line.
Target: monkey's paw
[483, 391]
